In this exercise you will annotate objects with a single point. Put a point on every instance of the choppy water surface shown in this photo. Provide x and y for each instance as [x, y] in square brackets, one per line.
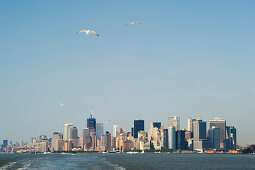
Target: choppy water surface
[126, 161]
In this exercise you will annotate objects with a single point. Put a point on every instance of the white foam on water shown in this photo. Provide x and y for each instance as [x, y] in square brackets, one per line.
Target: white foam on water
[115, 166]
[26, 166]
[9, 165]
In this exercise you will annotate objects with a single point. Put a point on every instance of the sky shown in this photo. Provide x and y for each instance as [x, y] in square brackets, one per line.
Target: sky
[186, 58]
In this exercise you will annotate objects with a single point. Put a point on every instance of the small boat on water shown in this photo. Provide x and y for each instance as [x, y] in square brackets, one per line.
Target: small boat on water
[132, 152]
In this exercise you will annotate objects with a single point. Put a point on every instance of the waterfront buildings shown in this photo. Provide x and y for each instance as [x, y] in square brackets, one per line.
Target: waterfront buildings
[200, 142]
[138, 126]
[57, 142]
[221, 124]
[91, 124]
[66, 135]
[181, 143]
[99, 129]
[171, 138]
[174, 121]
[116, 131]
[214, 137]
[157, 137]
[190, 124]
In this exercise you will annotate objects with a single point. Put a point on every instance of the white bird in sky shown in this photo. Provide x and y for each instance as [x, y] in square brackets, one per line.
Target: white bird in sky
[61, 104]
[133, 23]
[88, 32]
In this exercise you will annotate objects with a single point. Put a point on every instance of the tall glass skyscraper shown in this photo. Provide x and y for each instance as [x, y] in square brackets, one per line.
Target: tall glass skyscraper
[220, 123]
[99, 130]
[91, 124]
[138, 126]
[174, 121]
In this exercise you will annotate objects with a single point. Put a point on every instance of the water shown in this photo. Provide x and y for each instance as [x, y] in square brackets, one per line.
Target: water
[126, 161]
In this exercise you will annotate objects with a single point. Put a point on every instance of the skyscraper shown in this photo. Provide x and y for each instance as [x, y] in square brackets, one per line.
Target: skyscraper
[180, 140]
[174, 121]
[138, 125]
[156, 124]
[199, 136]
[164, 139]
[108, 141]
[233, 138]
[230, 141]
[190, 124]
[220, 123]
[99, 130]
[171, 137]
[91, 124]
[73, 133]
[199, 127]
[55, 142]
[5, 143]
[214, 137]
[116, 131]
[67, 127]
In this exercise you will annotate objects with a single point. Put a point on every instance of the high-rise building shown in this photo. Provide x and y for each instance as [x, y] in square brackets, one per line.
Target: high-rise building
[91, 124]
[164, 139]
[180, 140]
[230, 141]
[85, 139]
[73, 133]
[108, 141]
[199, 127]
[55, 141]
[190, 124]
[171, 137]
[116, 131]
[99, 130]
[66, 135]
[214, 137]
[156, 124]
[174, 121]
[5, 143]
[233, 138]
[199, 136]
[220, 123]
[138, 125]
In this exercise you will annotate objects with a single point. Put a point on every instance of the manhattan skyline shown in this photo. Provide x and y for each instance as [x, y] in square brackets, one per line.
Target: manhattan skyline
[187, 59]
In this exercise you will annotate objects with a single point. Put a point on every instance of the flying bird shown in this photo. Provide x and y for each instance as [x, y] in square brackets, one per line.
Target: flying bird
[61, 104]
[88, 32]
[133, 23]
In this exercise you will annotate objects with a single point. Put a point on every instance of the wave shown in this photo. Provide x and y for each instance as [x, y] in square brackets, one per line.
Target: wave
[9, 165]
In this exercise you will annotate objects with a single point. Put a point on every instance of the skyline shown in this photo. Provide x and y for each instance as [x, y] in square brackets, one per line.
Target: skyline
[186, 59]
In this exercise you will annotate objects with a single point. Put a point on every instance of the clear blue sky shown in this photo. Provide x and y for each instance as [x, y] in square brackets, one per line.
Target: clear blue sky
[187, 58]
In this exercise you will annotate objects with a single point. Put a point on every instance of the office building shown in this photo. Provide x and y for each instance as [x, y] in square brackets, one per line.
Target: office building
[5, 143]
[171, 138]
[180, 140]
[199, 127]
[199, 136]
[214, 137]
[99, 130]
[85, 139]
[91, 124]
[138, 126]
[233, 138]
[116, 131]
[221, 124]
[164, 139]
[174, 121]
[66, 135]
[156, 124]
[55, 141]
[108, 141]
[190, 124]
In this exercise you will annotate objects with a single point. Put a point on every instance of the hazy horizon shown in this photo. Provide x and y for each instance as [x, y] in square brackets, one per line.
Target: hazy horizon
[192, 58]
